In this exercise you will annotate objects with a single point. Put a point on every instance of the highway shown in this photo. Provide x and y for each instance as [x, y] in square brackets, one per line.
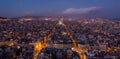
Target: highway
[75, 44]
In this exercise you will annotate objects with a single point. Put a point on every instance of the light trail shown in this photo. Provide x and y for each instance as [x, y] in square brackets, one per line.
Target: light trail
[39, 45]
[75, 45]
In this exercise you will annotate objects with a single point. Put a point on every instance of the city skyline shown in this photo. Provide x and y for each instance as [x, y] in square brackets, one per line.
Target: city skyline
[78, 8]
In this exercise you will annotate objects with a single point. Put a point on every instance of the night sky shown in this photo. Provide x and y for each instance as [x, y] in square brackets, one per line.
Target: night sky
[96, 8]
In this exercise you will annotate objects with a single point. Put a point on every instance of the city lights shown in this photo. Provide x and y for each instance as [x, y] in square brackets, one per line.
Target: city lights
[64, 29]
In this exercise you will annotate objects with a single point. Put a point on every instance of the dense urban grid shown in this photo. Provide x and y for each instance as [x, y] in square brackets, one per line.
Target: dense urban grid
[59, 38]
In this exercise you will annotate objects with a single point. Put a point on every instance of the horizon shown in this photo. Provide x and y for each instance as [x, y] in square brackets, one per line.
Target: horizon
[71, 8]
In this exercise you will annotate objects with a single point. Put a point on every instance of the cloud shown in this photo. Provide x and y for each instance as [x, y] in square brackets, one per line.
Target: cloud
[80, 10]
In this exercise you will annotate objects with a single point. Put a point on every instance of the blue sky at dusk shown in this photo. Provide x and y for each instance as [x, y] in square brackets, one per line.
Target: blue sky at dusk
[97, 8]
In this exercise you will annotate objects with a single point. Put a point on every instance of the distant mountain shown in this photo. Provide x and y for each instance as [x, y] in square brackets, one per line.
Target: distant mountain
[3, 18]
[38, 16]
